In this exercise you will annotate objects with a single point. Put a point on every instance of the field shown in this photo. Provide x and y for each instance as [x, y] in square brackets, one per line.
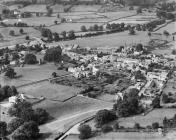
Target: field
[111, 40]
[28, 74]
[85, 8]
[170, 28]
[50, 91]
[17, 38]
[123, 136]
[70, 26]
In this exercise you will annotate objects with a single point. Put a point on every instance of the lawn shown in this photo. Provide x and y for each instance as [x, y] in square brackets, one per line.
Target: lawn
[111, 40]
[17, 38]
[31, 73]
[50, 91]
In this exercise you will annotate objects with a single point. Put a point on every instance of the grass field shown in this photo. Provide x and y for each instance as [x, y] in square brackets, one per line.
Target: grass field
[85, 8]
[28, 74]
[111, 40]
[50, 91]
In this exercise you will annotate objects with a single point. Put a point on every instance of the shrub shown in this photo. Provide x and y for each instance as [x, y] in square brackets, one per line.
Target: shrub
[85, 131]
[116, 126]
[30, 59]
[10, 73]
[137, 126]
[41, 116]
[106, 128]
[21, 31]
[27, 37]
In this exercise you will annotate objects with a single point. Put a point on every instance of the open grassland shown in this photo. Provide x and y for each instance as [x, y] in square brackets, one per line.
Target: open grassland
[111, 40]
[34, 8]
[17, 38]
[123, 136]
[30, 74]
[50, 91]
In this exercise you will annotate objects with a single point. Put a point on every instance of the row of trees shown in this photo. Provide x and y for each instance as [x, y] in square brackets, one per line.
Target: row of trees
[92, 28]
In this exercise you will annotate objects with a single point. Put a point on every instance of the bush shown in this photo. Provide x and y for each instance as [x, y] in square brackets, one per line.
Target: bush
[14, 124]
[106, 128]
[27, 37]
[85, 131]
[83, 28]
[30, 59]
[41, 116]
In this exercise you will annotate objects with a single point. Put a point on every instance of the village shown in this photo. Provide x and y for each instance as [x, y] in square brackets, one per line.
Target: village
[107, 72]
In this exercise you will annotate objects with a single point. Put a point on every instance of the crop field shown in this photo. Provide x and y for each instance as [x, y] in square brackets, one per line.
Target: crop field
[111, 40]
[17, 38]
[28, 74]
[50, 91]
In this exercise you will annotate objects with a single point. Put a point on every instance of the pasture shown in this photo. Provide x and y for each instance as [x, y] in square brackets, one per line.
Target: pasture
[111, 40]
[17, 38]
[170, 28]
[31, 73]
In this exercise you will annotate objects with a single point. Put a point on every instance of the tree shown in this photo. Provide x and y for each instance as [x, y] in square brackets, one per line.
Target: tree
[14, 124]
[104, 116]
[55, 22]
[1, 37]
[10, 73]
[95, 27]
[156, 102]
[71, 34]
[21, 31]
[155, 125]
[116, 126]
[41, 116]
[27, 37]
[3, 129]
[132, 31]
[30, 59]
[63, 20]
[54, 74]
[15, 56]
[139, 47]
[137, 126]
[64, 34]
[85, 131]
[139, 10]
[83, 28]
[56, 36]
[27, 131]
[12, 32]
[174, 52]
[58, 15]
[53, 54]
[106, 128]
[49, 12]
